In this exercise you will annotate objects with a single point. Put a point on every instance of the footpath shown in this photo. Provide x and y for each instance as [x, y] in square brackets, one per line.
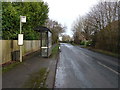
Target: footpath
[20, 74]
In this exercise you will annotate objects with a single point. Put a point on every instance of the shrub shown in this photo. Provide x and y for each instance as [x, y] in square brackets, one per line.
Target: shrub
[82, 43]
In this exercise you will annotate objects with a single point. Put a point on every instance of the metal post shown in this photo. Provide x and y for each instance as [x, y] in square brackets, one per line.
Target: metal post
[20, 46]
[41, 43]
[20, 26]
[47, 44]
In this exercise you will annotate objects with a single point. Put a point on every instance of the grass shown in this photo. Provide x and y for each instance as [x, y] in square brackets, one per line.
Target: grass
[55, 50]
[104, 52]
[10, 66]
[37, 80]
[107, 53]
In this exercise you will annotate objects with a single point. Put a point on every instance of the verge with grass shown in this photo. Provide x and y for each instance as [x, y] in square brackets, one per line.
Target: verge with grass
[10, 66]
[55, 51]
[37, 79]
[103, 52]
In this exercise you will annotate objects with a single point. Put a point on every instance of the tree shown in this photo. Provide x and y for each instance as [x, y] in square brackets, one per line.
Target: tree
[66, 38]
[56, 28]
[0, 20]
[100, 25]
[35, 12]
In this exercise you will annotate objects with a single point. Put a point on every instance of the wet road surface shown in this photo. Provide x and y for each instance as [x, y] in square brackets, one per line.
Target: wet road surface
[82, 68]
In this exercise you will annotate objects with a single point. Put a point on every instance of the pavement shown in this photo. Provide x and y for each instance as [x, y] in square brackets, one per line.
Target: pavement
[16, 77]
[81, 68]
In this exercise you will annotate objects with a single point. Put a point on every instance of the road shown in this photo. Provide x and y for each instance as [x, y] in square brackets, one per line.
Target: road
[81, 68]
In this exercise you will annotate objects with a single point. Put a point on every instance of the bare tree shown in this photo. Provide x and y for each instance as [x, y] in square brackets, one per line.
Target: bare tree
[56, 29]
[99, 25]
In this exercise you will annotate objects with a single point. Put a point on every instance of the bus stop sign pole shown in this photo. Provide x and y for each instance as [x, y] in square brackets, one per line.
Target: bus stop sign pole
[20, 36]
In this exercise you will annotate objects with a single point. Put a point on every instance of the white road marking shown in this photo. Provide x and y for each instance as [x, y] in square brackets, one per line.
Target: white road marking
[108, 67]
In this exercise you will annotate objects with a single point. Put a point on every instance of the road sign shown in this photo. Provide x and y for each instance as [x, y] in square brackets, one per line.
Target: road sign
[20, 39]
[23, 19]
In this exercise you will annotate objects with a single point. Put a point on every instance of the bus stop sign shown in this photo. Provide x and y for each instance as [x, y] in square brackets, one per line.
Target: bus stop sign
[20, 39]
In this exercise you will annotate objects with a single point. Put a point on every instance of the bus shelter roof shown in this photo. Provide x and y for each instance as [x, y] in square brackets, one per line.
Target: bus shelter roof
[42, 29]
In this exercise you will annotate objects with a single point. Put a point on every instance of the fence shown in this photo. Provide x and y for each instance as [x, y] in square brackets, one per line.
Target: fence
[9, 46]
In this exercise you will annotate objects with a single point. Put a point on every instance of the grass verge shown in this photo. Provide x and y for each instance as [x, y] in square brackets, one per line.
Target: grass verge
[9, 67]
[104, 52]
[55, 50]
[37, 80]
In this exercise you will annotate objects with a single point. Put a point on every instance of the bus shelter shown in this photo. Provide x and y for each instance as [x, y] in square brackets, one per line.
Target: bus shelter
[46, 40]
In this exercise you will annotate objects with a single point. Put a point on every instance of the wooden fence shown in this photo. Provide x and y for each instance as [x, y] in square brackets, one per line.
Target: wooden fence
[9, 46]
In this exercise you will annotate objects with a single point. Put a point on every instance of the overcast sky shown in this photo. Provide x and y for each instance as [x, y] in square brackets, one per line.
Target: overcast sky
[67, 11]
